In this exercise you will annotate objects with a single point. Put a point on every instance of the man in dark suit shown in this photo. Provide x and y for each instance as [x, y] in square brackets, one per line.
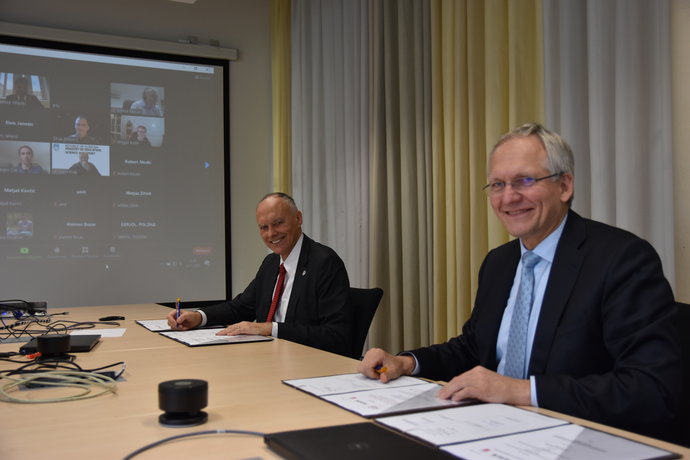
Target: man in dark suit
[598, 339]
[311, 304]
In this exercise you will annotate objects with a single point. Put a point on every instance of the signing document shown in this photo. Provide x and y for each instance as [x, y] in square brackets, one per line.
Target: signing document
[155, 325]
[511, 433]
[201, 337]
[562, 442]
[369, 398]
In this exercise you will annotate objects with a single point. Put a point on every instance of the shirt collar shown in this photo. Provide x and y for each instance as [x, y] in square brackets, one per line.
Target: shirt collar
[291, 262]
[547, 248]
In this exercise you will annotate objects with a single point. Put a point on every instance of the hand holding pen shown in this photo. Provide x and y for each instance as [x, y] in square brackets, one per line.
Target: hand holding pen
[182, 320]
[380, 365]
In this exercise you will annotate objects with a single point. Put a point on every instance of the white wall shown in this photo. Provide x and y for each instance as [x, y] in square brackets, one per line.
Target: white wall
[240, 24]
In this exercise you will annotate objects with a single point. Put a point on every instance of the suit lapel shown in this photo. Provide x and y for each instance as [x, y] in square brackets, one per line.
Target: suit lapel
[300, 279]
[564, 273]
[268, 283]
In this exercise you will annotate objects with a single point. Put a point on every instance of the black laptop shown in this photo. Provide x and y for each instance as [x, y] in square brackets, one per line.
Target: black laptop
[359, 441]
[77, 344]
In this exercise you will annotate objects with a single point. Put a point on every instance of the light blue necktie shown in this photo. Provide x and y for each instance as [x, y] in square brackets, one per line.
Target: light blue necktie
[516, 353]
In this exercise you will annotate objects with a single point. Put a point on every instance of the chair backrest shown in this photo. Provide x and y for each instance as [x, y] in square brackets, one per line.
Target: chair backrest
[364, 303]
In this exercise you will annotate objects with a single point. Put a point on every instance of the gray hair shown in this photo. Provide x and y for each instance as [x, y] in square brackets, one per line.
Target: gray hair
[283, 196]
[559, 155]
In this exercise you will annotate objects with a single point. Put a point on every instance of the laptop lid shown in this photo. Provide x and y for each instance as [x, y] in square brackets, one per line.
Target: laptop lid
[360, 441]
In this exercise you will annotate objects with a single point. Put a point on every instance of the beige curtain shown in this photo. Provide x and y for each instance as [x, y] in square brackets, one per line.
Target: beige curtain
[401, 187]
[439, 104]
[280, 85]
[608, 91]
[394, 106]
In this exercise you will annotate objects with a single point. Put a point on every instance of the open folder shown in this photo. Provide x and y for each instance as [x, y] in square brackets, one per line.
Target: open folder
[202, 337]
[199, 337]
[408, 406]
[371, 398]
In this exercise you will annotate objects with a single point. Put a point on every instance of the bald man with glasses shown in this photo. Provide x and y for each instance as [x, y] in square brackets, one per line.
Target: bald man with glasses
[573, 315]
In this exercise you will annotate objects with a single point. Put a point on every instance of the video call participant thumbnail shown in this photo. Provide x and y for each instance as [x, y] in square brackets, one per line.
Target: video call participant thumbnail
[81, 132]
[140, 137]
[26, 161]
[21, 94]
[148, 104]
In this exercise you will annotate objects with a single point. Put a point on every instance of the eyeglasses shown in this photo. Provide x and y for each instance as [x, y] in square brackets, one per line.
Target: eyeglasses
[518, 185]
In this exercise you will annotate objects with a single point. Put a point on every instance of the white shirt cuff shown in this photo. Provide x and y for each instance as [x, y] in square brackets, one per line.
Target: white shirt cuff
[204, 320]
[533, 391]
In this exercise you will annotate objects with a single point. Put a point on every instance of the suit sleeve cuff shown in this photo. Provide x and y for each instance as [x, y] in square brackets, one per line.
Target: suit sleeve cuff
[416, 370]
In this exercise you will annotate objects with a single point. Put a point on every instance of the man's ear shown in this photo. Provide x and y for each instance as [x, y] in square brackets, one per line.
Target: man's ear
[567, 184]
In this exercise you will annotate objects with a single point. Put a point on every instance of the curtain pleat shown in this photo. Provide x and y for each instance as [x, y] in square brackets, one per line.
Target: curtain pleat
[330, 126]
[396, 104]
[608, 92]
[280, 85]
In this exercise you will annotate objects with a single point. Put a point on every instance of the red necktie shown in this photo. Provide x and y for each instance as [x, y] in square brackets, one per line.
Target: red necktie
[276, 295]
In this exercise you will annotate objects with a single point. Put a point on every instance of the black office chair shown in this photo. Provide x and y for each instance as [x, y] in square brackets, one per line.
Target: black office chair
[364, 303]
[683, 424]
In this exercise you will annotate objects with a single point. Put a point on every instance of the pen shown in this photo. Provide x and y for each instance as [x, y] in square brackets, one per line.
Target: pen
[380, 369]
[177, 308]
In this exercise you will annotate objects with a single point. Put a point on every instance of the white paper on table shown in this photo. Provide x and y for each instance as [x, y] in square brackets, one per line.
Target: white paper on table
[469, 423]
[391, 400]
[558, 443]
[155, 325]
[196, 337]
[114, 332]
[347, 383]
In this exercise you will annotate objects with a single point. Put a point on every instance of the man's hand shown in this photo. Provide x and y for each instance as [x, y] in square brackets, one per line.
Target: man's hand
[187, 320]
[247, 328]
[488, 386]
[377, 364]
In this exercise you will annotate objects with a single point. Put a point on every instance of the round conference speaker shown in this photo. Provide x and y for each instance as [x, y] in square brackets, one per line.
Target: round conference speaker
[53, 345]
[182, 401]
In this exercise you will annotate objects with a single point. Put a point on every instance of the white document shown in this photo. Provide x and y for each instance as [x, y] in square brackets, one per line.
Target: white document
[347, 383]
[469, 423]
[198, 337]
[391, 400]
[564, 442]
[368, 397]
[114, 332]
[155, 325]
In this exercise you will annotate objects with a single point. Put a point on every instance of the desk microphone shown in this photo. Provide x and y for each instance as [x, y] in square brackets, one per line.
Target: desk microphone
[182, 401]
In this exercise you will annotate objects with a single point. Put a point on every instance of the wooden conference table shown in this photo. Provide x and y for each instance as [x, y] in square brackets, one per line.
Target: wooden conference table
[245, 393]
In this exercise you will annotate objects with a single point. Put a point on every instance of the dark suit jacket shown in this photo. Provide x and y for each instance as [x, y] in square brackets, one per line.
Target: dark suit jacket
[605, 347]
[318, 311]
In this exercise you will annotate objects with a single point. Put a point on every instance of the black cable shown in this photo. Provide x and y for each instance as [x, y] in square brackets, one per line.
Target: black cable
[187, 435]
[40, 365]
[34, 326]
